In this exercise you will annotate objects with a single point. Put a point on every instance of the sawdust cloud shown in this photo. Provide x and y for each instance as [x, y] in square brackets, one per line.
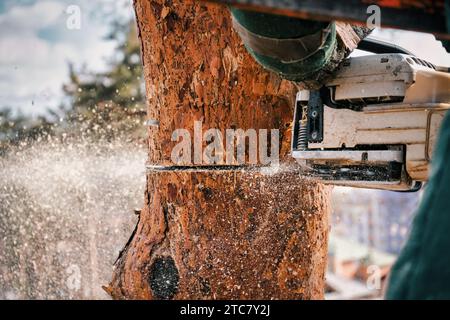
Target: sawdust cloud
[66, 209]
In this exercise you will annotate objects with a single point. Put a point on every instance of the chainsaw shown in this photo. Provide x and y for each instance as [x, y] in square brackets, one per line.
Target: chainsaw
[374, 124]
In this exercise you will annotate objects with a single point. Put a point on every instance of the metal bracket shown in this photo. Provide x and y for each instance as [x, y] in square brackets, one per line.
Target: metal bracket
[315, 117]
[372, 156]
[307, 128]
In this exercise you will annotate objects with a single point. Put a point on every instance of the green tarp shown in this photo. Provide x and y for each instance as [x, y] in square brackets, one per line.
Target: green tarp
[422, 270]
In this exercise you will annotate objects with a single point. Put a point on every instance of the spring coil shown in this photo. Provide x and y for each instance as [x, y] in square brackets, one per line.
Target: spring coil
[302, 138]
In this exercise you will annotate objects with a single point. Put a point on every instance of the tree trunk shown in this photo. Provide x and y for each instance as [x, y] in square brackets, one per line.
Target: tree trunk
[218, 235]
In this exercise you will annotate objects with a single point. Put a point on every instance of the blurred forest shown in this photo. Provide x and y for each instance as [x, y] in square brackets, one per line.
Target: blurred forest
[72, 179]
[98, 105]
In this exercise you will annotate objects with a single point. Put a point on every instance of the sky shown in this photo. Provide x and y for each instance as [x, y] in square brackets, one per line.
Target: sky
[36, 46]
[423, 45]
[38, 40]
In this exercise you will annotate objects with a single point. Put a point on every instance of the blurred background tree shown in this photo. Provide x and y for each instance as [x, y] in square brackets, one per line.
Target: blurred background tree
[112, 102]
[18, 128]
[99, 105]
[42, 236]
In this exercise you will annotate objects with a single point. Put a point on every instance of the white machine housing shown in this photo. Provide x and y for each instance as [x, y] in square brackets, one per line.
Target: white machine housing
[378, 110]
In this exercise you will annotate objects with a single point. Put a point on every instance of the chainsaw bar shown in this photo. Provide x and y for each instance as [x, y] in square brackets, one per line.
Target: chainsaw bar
[204, 168]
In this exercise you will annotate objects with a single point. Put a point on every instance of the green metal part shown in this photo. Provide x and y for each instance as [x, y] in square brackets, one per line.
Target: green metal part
[282, 27]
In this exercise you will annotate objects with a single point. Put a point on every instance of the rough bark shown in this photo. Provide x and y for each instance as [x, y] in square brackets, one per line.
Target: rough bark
[217, 235]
